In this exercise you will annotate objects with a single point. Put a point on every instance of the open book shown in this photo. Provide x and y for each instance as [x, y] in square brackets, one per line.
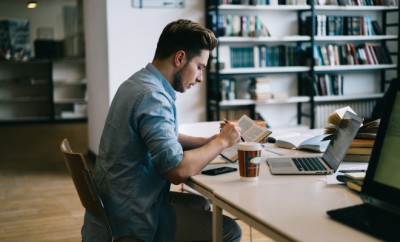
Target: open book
[335, 117]
[368, 129]
[251, 132]
[302, 141]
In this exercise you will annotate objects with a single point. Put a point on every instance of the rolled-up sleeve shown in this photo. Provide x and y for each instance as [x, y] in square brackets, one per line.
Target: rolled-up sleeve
[157, 124]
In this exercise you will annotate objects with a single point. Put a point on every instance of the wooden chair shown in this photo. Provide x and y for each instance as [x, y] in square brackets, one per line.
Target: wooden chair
[80, 172]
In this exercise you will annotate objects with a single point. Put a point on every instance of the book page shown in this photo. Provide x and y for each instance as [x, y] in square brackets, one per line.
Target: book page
[342, 111]
[230, 153]
[335, 117]
[315, 143]
[255, 133]
[245, 123]
[292, 142]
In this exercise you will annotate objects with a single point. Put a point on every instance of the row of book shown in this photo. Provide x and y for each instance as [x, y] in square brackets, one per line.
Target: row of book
[328, 84]
[341, 25]
[257, 88]
[355, 2]
[266, 56]
[264, 2]
[349, 54]
[317, 2]
[228, 89]
[240, 25]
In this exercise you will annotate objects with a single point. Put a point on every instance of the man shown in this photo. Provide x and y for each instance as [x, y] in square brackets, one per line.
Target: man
[141, 152]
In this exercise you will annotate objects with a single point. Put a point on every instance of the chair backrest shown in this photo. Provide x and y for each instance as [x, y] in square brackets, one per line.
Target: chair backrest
[81, 175]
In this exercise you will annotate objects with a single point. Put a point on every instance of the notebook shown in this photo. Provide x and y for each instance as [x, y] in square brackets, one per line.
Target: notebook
[379, 214]
[332, 157]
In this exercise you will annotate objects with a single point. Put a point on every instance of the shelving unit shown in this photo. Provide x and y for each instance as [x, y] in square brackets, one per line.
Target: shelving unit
[220, 66]
[69, 89]
[375, 75]
[41, 90]
[362, 84]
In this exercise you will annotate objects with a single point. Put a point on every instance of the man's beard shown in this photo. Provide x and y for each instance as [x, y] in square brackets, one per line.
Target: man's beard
[177, 81]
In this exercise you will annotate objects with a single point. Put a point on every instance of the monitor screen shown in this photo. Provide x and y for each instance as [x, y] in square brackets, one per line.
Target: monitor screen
[382, 182]
[388, 168]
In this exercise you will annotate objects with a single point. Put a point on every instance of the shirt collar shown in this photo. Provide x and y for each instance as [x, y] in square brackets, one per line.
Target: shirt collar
[167, 86]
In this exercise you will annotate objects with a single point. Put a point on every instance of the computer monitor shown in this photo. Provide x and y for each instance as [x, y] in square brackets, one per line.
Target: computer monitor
[379, 215]
[382, 182]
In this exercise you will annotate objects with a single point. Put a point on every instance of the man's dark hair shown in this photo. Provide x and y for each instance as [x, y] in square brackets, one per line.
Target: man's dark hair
[185, 35]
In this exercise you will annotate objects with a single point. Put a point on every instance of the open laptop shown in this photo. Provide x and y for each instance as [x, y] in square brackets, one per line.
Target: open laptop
[332, 157]
[379, 215]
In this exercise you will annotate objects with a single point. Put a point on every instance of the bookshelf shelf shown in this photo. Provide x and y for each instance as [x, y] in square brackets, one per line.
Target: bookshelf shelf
[31, 90]
[25, 99]
[348, 97]
[241, 8]
[69, 100]
[354, 38]
[263, 40]
[293, 99]
[243, 102]
[354, 8]
[381, 36]
[265, 70]
[344, 68]
[237, 102]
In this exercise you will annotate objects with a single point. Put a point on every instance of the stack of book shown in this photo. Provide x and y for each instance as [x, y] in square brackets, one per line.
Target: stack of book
[362, 145]
[261, 90]
[360, 150]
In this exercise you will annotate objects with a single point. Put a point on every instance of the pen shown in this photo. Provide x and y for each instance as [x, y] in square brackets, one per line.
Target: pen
[241, 138]
[351, 171]
[273, 152]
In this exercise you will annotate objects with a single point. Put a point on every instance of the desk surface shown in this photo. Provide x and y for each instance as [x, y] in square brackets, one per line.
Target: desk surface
[285, 207]
[292, 206]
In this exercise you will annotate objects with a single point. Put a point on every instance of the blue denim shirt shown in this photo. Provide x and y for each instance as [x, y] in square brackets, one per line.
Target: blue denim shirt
[138, 145]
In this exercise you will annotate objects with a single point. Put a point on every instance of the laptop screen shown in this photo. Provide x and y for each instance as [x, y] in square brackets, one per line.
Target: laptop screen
[341, 139]
[382, 181]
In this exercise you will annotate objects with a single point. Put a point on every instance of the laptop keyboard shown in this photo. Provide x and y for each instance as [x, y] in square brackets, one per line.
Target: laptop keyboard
[308, 164]
[369, 219]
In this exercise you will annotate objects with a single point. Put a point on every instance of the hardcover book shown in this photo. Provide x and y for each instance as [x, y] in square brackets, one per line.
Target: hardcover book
[251, 132]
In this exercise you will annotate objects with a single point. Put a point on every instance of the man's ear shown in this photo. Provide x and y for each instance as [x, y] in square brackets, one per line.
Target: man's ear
[179, 57]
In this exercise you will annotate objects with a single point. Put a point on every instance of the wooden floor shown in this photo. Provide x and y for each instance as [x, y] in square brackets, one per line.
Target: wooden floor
[38, 201]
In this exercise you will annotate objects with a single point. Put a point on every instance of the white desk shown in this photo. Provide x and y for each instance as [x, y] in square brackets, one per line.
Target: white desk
[285, 208]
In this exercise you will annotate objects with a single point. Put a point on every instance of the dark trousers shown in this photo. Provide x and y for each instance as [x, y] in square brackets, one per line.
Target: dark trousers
[194, 219]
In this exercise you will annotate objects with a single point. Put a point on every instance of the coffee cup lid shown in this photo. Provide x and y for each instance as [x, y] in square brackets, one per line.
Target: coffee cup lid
[249, 146]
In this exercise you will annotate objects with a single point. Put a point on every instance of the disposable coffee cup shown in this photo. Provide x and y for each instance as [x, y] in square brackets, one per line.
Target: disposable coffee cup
[249, 160]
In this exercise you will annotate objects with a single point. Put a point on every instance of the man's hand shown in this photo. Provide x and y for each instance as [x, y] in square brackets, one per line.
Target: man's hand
[230, 134]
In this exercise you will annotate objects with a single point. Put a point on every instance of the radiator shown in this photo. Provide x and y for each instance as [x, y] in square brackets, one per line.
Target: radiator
[323, 110]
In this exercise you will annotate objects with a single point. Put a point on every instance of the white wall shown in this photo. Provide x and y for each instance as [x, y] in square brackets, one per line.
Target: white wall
[120, 40]
[97, 73]
[49, 13]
